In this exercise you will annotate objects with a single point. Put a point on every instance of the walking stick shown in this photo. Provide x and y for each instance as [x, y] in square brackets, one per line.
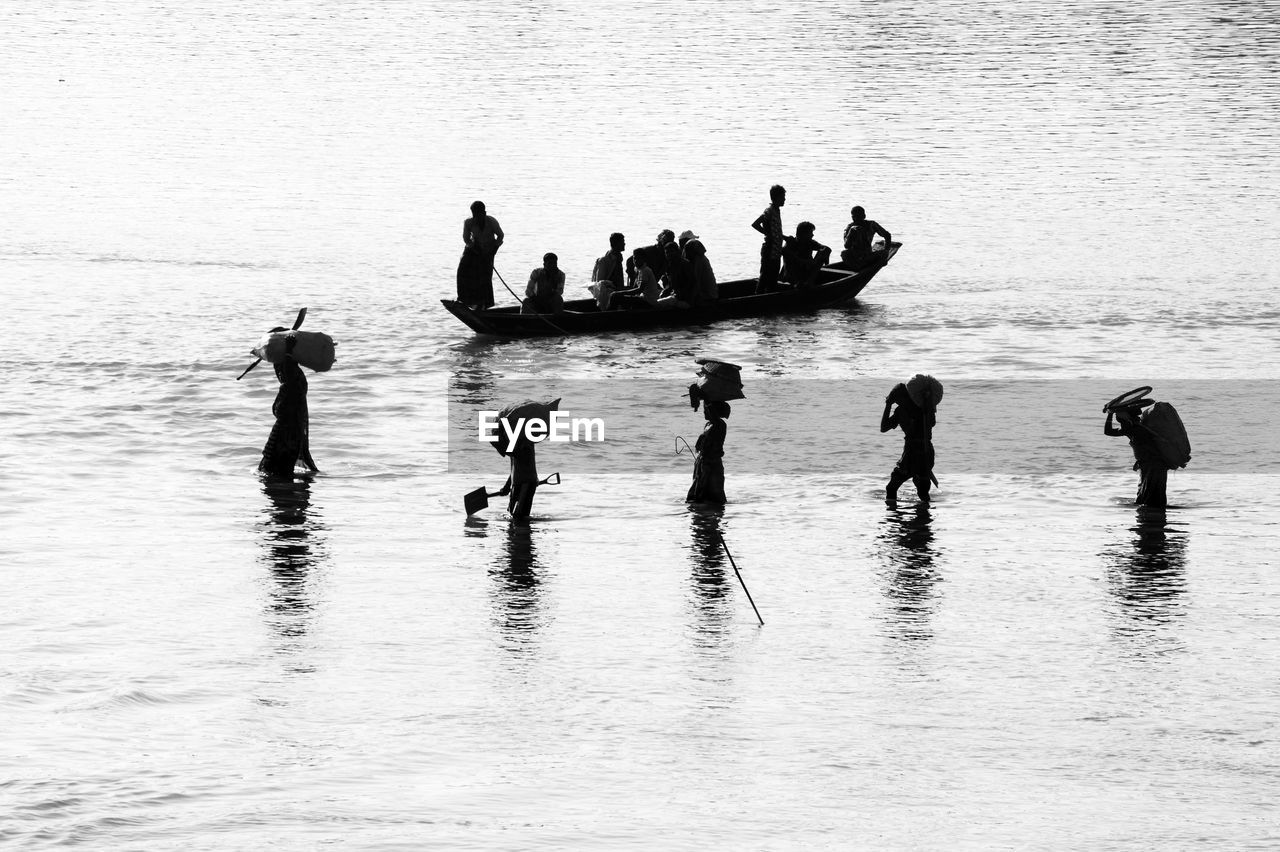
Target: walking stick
[739, 573]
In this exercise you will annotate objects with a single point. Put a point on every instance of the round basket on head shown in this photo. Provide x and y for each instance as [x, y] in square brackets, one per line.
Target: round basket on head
[924, 389]
[719, 381]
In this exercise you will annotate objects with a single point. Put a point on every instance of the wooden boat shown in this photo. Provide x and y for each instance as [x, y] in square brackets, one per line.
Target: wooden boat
[737, 299]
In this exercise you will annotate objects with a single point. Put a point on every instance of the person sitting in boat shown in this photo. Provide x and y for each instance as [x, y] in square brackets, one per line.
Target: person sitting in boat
[645, 293]
[859, 235]
[610, 265]
[677, 280]
[685, 237]
[803, 257]
[655, 254]
[545, 292]
[1148, 460]
[705, 290]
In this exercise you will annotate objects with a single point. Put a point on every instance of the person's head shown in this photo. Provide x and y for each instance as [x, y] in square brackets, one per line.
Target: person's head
[549, 261]
[694, 249]
[617, 242]
[665, 236]
[671, 250]
[477, 209]
[858, 214]
[899, 395]
[778, 194]
[686, 236]
[712, 409]
[805, 229]
[638, 257]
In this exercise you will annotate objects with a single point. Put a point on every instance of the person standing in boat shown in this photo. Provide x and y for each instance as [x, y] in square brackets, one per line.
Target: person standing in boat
[1148, 460]
[859, 235]
[803, 257]
[916, 423]
[708, 456]
[545, 292]
[769, 223]
[646, 292]
[482, 237]
[289, 441]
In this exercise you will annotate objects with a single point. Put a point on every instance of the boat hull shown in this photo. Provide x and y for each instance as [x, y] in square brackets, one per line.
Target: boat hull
[737, 300]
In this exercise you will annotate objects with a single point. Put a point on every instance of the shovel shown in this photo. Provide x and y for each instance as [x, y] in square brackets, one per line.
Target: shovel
[478, 500]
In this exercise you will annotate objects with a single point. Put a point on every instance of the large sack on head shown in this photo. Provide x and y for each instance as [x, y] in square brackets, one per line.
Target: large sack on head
[919, 386]
[311, 349]
[527, 410]
[719, 381]
[1163, 421]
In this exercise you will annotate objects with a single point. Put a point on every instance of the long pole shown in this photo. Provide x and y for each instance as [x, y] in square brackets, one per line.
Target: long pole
[739, 573]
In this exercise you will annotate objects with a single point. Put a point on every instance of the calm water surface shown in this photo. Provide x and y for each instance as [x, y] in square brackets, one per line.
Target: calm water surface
[195, 659]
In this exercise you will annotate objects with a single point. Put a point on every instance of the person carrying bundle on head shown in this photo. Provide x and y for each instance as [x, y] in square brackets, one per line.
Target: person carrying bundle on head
[289, 441]
[912, 408]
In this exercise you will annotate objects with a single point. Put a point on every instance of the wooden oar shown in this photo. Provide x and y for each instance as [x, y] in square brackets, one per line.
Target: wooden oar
[478, 500]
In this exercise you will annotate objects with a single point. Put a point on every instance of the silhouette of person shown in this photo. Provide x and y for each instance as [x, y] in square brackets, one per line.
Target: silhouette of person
[290, 436]
[916, 423]
[708, 458]
[1148, 460]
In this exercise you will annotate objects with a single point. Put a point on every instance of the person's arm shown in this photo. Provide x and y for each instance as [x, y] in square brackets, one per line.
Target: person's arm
[888, 420]
[560, 285]
[882, 232]
[532, 286]
[760, 223]
[498, 235]
[506, 488]
[467, 234]
[1108, 429]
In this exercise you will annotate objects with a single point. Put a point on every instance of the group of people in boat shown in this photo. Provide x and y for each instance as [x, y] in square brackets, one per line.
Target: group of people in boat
[671, 273]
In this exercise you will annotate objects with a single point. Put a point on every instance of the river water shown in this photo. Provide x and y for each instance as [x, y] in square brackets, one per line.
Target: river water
[195, 659]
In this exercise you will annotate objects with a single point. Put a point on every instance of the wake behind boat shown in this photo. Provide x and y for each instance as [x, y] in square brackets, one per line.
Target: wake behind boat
[737, 299]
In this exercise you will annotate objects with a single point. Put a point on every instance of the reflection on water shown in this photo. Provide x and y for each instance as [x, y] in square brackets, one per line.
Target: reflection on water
[471, 374]
[517, 598]
[710, 607]
[906, 536]
[1147, 573]
[292, 549]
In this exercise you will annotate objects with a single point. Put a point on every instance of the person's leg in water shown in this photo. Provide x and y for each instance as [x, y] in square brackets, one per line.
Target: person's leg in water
[521, 501]
[922, 484]
[896, 479]
[1151, 487]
